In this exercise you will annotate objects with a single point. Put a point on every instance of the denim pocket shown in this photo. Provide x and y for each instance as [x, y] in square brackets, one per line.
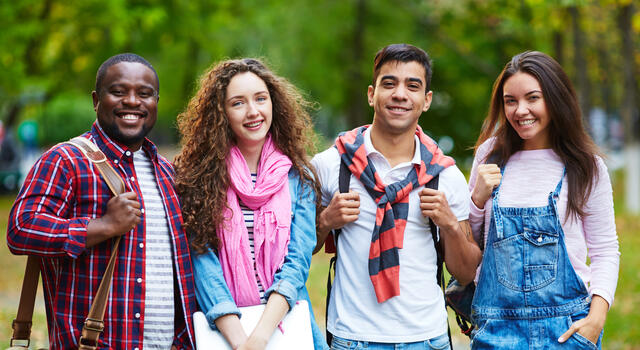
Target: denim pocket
[340, 344]
[527, 261]
[577, 340]
[478, 338]
[586, 343]
[438, 343]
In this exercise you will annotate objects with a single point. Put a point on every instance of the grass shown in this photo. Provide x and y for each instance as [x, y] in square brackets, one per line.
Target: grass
[622, 330]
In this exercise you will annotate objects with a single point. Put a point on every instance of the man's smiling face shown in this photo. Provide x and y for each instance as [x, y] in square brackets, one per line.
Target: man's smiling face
[399, 97]
[127, 103]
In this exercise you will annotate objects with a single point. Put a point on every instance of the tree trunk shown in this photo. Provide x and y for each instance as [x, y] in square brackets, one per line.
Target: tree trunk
[558, 46]
[581, 74]
[357, 111]
[629, 112]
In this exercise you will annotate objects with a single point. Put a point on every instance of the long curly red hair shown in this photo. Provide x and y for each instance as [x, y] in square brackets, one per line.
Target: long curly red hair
[202, 178]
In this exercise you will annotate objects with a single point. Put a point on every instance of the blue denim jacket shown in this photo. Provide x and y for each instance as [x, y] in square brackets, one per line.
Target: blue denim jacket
[212, 292]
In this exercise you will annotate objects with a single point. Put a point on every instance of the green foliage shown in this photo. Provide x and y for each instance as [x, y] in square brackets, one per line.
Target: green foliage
[65, 116]
[326, 48]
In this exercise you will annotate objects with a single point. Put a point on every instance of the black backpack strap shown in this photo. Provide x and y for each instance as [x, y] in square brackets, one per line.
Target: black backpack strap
[344, 178]
[433, 184]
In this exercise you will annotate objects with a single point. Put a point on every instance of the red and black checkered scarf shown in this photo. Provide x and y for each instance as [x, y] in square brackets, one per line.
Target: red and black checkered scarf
[392, 201]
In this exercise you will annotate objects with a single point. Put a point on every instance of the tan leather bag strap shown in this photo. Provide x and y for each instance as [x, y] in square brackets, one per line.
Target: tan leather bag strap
[22, 324]
[94, 323]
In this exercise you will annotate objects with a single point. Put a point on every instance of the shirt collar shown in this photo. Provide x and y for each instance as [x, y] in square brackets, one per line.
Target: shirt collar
[368, 147]
[115, 150]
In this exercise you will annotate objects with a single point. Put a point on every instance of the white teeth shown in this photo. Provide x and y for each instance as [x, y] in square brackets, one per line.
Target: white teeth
[253, 124]
[398, 109]
[130, 117]
[526, 122]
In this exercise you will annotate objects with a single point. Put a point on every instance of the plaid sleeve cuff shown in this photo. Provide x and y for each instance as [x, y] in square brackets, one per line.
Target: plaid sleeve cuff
[77, 237]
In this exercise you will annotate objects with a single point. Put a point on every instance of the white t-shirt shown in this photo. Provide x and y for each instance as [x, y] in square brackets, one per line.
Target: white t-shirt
[418, 313]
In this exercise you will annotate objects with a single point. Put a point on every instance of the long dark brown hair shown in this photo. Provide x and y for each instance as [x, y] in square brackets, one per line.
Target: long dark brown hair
[202, 178]
[567, 134]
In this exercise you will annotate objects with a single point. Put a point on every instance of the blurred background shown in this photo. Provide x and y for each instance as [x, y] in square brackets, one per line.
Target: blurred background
[50, 51]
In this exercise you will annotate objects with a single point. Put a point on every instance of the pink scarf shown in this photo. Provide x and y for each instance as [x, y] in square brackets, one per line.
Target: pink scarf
[271, 202]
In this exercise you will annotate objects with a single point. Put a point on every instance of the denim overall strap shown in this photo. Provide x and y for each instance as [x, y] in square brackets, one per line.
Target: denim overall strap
[497, 219]
[556, 193]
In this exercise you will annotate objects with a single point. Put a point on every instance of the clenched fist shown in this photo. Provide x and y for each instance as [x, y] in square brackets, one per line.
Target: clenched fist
[123, 214]
[343, 209]
[434, 205]
[488, 178]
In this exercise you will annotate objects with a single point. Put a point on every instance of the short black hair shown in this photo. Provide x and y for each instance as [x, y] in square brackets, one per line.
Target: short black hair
[403, 53]
[123, 57]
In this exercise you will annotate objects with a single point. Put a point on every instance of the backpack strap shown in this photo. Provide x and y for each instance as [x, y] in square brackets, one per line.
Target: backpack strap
[433, 184]
[435, 234]
[94, 323]
[344, 178]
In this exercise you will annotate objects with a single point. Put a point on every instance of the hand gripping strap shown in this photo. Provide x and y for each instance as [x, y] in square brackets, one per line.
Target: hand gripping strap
[94, 323]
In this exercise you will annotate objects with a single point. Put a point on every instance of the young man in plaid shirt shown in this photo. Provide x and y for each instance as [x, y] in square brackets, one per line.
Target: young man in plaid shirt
[66, 214]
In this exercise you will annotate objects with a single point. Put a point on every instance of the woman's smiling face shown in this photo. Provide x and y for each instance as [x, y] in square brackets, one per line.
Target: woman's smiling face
[249, 110]
[526, 110]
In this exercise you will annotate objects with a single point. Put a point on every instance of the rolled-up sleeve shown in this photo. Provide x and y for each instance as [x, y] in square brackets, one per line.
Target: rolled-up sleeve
[41, 221]
[212, 292]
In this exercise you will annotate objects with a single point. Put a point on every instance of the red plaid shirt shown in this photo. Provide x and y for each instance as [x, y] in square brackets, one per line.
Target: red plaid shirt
[62, 192]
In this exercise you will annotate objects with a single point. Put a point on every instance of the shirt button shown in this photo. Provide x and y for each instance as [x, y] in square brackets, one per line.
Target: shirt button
[141, 245]
[137, 315]
[128, 153]
[139, 280]
[142, 210]
[133, 179]
[116, 161]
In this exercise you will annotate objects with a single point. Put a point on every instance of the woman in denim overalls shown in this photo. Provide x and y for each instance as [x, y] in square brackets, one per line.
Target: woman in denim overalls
[535, 178]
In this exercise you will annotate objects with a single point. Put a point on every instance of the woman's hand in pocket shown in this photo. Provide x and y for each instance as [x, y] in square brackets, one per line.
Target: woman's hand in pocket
[591, 326]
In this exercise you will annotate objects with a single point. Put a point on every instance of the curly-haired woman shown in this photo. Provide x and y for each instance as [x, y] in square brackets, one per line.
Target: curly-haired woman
[542, 202]
[248, 197]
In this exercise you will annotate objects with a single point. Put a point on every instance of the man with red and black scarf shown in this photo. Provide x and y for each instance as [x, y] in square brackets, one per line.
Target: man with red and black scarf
[385, 291]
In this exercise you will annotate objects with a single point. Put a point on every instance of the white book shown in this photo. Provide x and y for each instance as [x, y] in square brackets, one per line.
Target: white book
[294, 332]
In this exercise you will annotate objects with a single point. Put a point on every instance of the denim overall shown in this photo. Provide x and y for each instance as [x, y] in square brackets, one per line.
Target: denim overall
[528, 293]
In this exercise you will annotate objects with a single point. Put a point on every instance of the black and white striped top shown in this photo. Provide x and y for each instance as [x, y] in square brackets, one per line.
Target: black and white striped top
[159, 293]
[248, 221]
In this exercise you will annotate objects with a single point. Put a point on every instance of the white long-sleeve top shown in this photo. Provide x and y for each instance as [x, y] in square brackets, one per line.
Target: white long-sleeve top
[529, 177]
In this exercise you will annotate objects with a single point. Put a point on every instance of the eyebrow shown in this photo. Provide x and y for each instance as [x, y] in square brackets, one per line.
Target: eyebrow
[394, 78]
[125, 85]
[527, 94]
[240, 96]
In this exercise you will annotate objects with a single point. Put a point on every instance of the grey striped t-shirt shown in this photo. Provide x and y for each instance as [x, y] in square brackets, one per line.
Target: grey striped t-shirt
[247, 213]
[159, 294]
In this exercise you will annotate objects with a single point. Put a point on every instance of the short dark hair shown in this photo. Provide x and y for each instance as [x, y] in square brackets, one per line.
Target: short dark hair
[123, 57]
[403, 53]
